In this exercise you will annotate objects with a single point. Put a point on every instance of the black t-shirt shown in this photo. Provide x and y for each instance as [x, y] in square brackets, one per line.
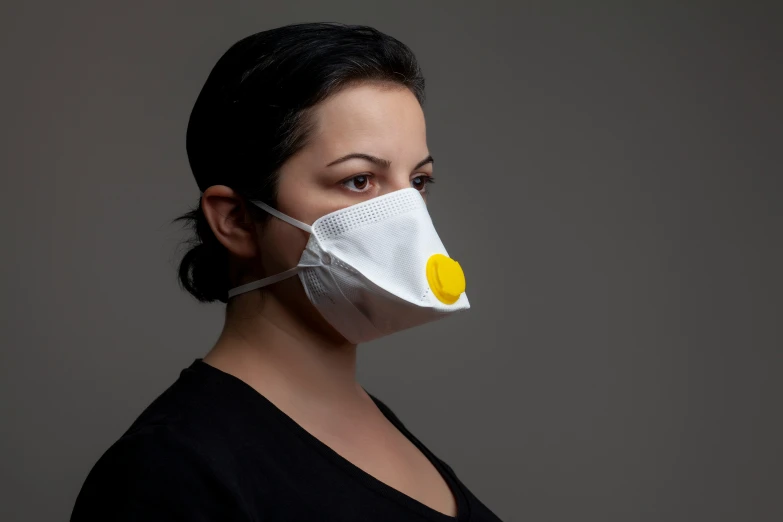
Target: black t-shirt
[211, 448]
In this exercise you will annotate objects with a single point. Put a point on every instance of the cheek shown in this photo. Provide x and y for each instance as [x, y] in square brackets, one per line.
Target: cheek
[282, 246]
[304, 191]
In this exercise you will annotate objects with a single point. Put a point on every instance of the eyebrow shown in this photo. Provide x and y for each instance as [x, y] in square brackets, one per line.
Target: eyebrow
[378, 161]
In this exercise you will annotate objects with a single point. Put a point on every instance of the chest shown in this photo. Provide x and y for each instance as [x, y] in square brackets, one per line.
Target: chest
[389, 457]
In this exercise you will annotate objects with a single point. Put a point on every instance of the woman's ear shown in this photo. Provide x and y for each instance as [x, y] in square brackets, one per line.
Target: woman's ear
[230, 220]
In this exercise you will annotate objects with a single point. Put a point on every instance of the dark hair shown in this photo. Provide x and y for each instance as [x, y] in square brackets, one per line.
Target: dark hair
[252, 115]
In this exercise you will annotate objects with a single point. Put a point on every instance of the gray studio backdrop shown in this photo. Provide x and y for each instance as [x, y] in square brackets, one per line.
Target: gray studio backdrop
[609, 177]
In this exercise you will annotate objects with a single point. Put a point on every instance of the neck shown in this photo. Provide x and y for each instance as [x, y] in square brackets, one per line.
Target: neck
[289, 361]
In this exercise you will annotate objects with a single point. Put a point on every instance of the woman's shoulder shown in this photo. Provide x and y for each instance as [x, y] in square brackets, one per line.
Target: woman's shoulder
[146, 444]
[153, 471]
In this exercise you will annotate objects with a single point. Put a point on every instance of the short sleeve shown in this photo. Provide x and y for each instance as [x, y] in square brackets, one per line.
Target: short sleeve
[154, 476]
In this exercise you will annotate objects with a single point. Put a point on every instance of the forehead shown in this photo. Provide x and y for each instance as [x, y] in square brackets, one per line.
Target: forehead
[366, 114]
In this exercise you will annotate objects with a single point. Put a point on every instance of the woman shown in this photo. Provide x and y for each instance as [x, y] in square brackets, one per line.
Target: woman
[308, 144]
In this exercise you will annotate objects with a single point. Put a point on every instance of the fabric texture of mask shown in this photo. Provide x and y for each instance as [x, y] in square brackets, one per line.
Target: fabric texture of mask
[375, 268]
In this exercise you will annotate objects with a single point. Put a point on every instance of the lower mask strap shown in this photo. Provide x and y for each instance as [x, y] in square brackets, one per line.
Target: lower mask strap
[263, 282]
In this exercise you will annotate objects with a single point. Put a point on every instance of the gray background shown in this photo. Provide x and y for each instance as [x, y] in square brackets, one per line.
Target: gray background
[609, 177]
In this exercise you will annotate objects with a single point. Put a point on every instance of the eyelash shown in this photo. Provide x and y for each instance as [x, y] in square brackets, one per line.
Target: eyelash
[427, 180]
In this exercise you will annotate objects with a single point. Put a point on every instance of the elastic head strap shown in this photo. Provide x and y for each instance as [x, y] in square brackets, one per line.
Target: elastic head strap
[279, 215]
[263, 282]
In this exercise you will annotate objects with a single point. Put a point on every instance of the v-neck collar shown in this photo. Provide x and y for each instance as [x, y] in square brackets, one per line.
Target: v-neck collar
[368, 480]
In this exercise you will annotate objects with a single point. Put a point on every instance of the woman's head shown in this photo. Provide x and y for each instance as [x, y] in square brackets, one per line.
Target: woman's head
[309, 119]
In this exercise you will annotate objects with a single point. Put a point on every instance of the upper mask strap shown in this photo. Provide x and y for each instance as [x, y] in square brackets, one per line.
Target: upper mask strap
[295, 222]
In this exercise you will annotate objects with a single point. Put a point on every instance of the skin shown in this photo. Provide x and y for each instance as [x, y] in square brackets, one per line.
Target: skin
[274, 339]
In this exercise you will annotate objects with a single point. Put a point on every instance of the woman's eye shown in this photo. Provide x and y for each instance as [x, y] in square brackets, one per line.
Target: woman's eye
[360, 183]
[420, 182]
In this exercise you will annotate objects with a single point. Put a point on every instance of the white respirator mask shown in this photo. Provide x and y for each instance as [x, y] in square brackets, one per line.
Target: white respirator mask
[375, 268]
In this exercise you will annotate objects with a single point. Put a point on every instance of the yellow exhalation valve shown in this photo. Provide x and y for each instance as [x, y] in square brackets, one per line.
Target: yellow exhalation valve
[446, 278]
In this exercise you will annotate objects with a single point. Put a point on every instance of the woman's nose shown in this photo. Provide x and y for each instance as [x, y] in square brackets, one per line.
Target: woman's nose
[397, 181]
